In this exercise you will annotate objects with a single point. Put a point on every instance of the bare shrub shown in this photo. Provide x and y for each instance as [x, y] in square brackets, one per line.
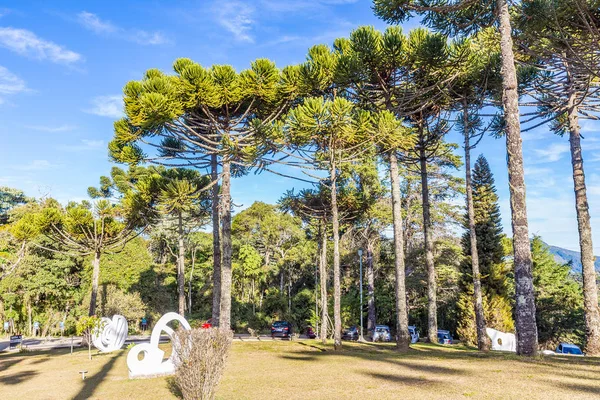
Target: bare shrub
[200, 362]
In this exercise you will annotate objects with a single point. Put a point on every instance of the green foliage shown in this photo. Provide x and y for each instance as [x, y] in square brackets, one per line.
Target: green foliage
[488, 228]
[87, 324]
[9, 199]
[558, 299]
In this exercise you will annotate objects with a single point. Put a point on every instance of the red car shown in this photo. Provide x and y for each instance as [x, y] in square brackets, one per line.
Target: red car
[310, 333]
[207, 324]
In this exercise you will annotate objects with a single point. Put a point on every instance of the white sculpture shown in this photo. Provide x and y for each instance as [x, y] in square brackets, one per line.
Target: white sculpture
[111, 335]
[153, 364]
[502, 341]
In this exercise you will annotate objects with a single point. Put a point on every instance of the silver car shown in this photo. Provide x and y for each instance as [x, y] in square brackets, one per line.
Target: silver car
[382, 334]
[414, 334]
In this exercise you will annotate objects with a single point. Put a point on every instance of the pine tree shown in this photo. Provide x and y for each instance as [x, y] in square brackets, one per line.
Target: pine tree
[494, 279]
[488, 228]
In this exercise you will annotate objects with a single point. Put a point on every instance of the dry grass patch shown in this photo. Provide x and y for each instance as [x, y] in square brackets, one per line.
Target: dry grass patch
[306, 369]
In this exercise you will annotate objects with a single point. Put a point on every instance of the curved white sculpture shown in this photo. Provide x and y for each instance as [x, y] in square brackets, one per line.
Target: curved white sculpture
[502, 341]
[111, 335]
[153, 364]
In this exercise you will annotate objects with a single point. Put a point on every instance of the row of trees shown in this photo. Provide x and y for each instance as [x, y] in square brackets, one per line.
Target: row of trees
[375, 101]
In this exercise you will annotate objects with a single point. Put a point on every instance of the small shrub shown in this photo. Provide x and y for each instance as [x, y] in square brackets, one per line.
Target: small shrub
[201, 359]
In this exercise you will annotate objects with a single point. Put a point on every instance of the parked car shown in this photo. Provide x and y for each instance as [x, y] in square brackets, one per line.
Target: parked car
[207, 324]
[350, 333]
[310, 333]
[382, 334]
[444, 337]
[568, 348]
[282, 329]
[414, 334]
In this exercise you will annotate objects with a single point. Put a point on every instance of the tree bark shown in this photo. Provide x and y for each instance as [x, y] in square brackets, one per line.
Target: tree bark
[323, 278]
[402, 336]
[190, 282]
[95, 280]
[29, 315]
[225, 314]
[590, 288]
[180, 265]
[432, 327]
[371, 313]
[527, 337]
[337, 292]
[483, 343]
[216, 305]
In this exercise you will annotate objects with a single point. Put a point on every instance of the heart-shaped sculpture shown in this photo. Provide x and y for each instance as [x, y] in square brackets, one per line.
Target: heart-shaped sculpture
[152, 364]
[111, 334]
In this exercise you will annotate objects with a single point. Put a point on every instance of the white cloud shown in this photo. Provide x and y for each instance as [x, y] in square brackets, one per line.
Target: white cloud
[10, 83]
[237, 18]
[107, 106]
[35, 165]
[84, 145]
[552, 153]
[28, 44]
[93, 23]
[52, 129]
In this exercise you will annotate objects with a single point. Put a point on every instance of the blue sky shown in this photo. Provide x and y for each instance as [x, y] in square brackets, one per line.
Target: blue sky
[63, 65]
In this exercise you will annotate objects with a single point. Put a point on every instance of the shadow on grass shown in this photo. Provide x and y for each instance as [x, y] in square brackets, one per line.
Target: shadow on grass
[174, 387]
[400, 379]
[432, 352]
[91, 383]
[580, 388]
[17, 378]
[312, 346]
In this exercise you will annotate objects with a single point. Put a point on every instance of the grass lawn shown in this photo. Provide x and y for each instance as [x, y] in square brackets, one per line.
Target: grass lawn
[308, 370]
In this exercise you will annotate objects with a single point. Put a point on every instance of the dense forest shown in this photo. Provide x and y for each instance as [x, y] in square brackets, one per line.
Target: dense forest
[364, 125]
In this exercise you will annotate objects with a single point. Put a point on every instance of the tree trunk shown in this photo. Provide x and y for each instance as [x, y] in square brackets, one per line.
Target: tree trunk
[323, 278]
[225, 314]
[29, 315]
[95, 280]
[180, 265]
[371, 315]
[289, 293]
[483, 343]
[216, 305]
[190, 283]
[429, 263]
[337, 292]
[402, 336]
[590, 288]
[527, 337]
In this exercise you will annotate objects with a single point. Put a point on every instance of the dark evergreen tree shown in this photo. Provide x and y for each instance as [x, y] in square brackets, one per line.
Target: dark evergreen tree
[488, 228]
[496, 277]
[559, 299]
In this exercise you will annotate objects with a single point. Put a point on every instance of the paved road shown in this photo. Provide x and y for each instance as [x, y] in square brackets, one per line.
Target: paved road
[56, 343]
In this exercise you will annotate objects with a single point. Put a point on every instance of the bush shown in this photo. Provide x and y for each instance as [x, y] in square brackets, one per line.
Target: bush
[201, 359]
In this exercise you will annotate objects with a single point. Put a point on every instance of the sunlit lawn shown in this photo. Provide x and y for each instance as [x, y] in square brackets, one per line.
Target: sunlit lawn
[307, 370]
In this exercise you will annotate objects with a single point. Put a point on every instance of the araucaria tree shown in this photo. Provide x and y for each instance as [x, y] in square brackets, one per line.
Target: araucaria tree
[198, 118]
[93, 229]
[562, 42]
[183, 203]
[470, 92]
[459, 17]
[335, 134]
[372, 66]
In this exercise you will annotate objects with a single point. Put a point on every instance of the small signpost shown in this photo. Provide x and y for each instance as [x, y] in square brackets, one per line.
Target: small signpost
[15, 341]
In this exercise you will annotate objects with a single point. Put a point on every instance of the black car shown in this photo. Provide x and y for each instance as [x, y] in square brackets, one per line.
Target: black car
[350, 333]
[282, 329]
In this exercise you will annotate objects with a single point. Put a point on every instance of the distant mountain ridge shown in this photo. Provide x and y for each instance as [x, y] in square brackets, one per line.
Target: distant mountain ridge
[564, 256]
